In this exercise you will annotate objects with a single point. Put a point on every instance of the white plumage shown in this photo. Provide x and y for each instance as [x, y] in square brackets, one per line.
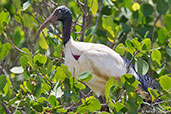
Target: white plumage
[101, 61]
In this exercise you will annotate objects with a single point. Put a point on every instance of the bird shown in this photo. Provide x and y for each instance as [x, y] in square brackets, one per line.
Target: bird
[100, 60]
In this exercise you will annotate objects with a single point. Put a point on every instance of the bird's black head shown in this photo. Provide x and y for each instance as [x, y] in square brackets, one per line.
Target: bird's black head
[62, 14]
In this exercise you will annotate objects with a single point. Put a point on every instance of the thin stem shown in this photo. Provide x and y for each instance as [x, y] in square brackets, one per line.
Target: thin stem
[97, 20]
[114, 45]
[84, 20]
[5, 108]
[154, 26]
[130, 62]
[13, 45]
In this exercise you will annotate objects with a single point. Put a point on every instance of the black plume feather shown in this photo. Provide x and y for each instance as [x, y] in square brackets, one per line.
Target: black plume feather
[145, 80]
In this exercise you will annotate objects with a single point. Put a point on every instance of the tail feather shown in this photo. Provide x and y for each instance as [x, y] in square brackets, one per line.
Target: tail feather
[145, 80]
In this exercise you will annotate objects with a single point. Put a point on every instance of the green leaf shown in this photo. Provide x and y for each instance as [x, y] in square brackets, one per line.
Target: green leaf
[162, 33]
[53, 101]
[29, 56]
[129, 44]
[168, 50]
[7, 86]
[119, 106]
[58, 51]
[154, 94]
[126, 28]
[136, 43]
[2, 82]
[38, 108]
[109, 84]
[79, 85]
[146, 44]
[130, 83]
[23, 61]
[107, 21]
[85, 76]
[169, 42]
[40, 58]
[42, 42]
[17, 112]
[167, 22]
[147, 9]
[93, 4]
[37, 88]
[156, 55]
[126, 12]
[26, 5]
[120, 49]
[60, 75]
[66, 70]
[4, 20]
[141, 67]
[162, 6]
[17, 4]
[90, 105]
[165, 82]
[18, 35]
[17, 70]
[42, 100]
[5, 50]
[116, 92]
[103, 112]
[27, 20]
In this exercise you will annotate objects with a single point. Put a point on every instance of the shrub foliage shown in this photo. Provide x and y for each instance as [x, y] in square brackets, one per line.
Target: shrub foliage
[33, 78]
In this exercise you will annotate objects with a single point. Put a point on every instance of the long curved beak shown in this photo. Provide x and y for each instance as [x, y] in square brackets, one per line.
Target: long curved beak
[45, 24]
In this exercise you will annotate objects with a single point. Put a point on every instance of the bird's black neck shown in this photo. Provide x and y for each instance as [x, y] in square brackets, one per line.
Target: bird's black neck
[66, 30]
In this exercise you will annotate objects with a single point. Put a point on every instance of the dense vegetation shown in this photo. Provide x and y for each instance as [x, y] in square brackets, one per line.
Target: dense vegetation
[33, 78]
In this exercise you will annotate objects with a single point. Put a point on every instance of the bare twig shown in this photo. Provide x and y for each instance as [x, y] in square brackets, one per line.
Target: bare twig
[54, 3]
[78, 24]
[18, 49]
[84, 19]
[97, 21]
[154, 26]
[5, 108]
[55, 33]
[81, 4]
[33, 16]
[51, 83]
[114, 45]
[13, 45]
[159, 110]
[74, 22]
[81, 32]
[25, 32]
[78, 103]
[130, 62]
[160, 102]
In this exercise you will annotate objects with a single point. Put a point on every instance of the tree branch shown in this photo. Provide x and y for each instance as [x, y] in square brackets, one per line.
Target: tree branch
[154, 26]
[13, 45]
[84, 19]
[5, 108]
[97, 21]
[130, 62]
[114, 45]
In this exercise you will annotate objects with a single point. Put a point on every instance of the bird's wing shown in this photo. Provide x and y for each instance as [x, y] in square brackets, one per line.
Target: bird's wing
[104, 62]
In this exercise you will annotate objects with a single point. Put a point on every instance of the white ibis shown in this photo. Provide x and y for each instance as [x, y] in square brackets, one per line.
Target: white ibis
[101, 61]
